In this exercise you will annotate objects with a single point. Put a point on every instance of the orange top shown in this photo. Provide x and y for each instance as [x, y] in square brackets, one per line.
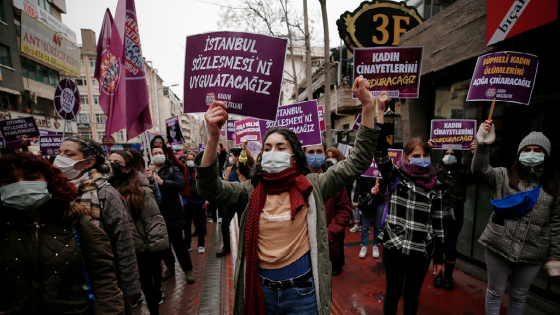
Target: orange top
[281, 240]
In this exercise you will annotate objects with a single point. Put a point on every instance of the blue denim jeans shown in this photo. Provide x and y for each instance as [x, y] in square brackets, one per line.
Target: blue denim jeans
[366, 223]
[291, 300]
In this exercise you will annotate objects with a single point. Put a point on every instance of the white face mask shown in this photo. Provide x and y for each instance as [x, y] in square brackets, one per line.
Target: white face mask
[449, 159]
[190, 163]
[66, 166]
[275, 161]
[159, 159]
[231, 160]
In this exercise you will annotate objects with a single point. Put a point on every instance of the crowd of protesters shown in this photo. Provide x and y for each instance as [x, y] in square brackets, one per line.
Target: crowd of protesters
[87, 233]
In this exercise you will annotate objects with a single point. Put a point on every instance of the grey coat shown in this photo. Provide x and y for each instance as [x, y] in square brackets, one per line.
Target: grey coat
[533, 238]
[151, 236]
[326, 185]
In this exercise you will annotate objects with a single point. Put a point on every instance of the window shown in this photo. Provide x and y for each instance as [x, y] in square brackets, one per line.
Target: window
[81, 81]
[92, 63]
[2, 17]
[85, 134]
[100, 135]
[94, 82]
[5, 58]
[83, 118]
[83, 99]
[100, 118]
[120, 136]
[35, 71]
[83, 62]
[96, 99]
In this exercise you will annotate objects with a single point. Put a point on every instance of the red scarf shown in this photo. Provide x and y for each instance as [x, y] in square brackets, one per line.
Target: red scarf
[274, 184]
[423, 176]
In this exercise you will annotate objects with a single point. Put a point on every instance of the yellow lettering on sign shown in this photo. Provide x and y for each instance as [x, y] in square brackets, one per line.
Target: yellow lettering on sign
[397, 28]
[382, 29]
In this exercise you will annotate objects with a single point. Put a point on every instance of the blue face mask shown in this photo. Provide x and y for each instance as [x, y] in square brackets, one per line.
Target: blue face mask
[315, 161]
[531, 159]
[421, 162]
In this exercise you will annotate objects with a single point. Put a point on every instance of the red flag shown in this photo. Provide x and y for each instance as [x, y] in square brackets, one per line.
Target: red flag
[109, 72]
[138, 117]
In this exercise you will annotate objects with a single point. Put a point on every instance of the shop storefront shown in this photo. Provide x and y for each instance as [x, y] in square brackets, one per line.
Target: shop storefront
[452, 40]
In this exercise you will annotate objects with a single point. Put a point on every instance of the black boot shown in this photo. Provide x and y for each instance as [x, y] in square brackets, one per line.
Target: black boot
[448, 283]
[170, 272]
[222, 252]
[438, 281]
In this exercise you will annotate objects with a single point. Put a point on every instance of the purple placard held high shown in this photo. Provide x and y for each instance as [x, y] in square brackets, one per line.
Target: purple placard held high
[302, 118]
[395, 70]
[358, 122]
[247, 128]
[504, 76]
[244, 70]
[14, 129]
[230, 130]
[222, 131]
[201, 147]
[174, 133]
[322, 118]
[456, 134]
[49, 145]
[373, 171]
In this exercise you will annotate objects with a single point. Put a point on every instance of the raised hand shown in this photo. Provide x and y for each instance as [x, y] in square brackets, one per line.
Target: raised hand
[487, 126]
[431, 143]
[216, 116]
[361, 90]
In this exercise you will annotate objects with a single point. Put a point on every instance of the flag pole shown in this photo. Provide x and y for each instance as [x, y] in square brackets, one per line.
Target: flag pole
[145, 150]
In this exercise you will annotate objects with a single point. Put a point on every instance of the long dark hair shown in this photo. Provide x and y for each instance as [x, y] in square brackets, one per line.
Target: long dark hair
[299, 155]
[138, 159]
[518, 172]
[129, 184]
[91, 149]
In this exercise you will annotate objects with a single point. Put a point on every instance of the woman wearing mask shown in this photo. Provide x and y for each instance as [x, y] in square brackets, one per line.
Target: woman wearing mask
[151, 237]
[369, 213]
[283, 255]
[518, 242]
[195, 211]
[453, 176]
[334, 156]
[42, 267]
[82, 160]
[413, 231]
[170, 183]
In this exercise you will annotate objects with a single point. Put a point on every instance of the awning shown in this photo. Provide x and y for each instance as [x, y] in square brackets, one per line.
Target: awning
[9, 91]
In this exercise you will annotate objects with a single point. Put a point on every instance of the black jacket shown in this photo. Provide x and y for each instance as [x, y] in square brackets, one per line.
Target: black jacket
[171, 207]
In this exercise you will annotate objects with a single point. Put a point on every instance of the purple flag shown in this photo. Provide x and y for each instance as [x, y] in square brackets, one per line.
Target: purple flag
[109, 72]
[138, 117]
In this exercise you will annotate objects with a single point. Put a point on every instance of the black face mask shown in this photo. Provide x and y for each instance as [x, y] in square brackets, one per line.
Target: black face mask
[117, 172]
[183, 161]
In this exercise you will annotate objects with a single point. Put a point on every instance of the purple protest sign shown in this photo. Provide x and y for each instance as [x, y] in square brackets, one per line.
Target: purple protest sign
[358, 122]
[373, 171]
[456, 134]
[395, 70]
[230, 130]
[14, 129]
[504, 76]
[174, 133]
[247, 128]
[244, 70]
[222, 131]
[67, 100]
[201, 147]
[302, 118]
[322, 118]
[49, 145]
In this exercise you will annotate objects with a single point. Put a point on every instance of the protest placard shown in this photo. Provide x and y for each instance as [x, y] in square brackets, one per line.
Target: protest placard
[67, 100]
[322, 118]
[49, 145]
[504, 76]
[14, 129]
[357, 122]
[247, 128]
[395, 70]
[302, 118]
[456, 134]
[201, 147]
[174, 133]
[345, 149]
[222, 131]
[108, 141]
[230, 130]
[373, 170]
[244, 70]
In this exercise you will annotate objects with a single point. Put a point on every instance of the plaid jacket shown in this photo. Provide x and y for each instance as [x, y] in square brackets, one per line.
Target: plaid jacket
[414, 218]
[533, 238]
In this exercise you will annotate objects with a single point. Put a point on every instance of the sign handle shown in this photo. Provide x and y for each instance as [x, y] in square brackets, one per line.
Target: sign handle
[491, 110]
[377, 181]
[64, 130]
[145, 150]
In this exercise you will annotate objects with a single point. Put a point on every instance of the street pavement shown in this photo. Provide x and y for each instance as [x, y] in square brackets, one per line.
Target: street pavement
[358, 290]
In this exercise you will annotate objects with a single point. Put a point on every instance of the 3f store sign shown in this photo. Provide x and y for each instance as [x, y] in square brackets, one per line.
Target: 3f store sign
[507, 18]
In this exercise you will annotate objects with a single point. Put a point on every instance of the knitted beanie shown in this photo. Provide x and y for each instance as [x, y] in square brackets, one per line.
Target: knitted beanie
[538, 139]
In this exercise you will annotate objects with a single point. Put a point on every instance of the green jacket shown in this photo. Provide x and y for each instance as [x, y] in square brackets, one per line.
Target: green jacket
[234, 194]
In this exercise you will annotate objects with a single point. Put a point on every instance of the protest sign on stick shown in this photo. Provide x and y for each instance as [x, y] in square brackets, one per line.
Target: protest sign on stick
[357, 122]
[244, 70]
[247, 128]
[322, 118]
[455, 134]
[67, 100]
[201, 147]
[230, 130]
[504, 76]
[174, 133]
[14, 129]
[395, 70]
[373, 170]
[302, 118]
[49, 145]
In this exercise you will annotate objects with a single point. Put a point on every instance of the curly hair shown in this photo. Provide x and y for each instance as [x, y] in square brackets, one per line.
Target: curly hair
[62, 190]
[336, 154]
[299, 155]
[129, 185]
[91, 149]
